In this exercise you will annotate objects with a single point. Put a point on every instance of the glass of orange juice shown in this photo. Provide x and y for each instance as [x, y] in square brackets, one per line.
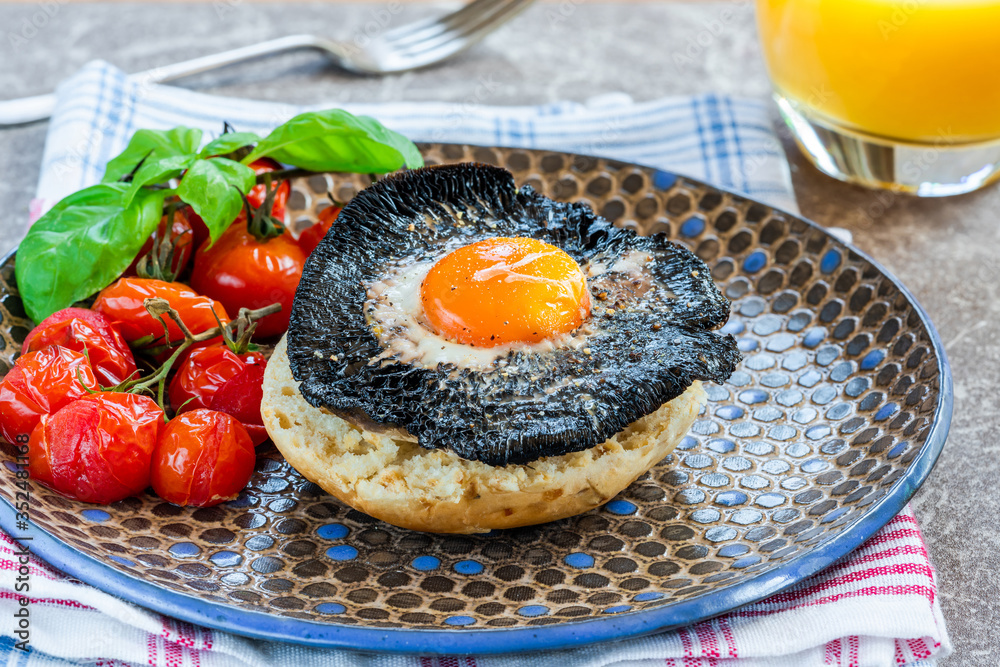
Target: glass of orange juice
[898, 94]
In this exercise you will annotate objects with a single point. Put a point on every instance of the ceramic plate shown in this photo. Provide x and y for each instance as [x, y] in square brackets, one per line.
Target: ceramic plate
[832, 421]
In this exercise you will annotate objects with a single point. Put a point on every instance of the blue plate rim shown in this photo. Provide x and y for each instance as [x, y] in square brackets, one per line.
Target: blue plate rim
[571, 634]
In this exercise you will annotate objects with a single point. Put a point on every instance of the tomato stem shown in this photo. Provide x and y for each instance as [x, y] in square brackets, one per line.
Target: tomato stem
[159, 262]
[243, 327]
[159, 308]
[260, 222]
[160, 376]
[79, 378]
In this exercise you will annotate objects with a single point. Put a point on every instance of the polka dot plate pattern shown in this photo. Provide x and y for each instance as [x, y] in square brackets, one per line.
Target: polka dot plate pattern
[833, 419]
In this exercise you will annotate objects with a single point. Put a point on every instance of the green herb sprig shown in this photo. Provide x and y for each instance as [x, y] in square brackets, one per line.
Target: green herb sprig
[89, 238]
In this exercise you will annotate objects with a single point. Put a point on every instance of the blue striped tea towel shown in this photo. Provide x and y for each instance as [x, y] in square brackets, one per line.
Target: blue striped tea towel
[720, 139]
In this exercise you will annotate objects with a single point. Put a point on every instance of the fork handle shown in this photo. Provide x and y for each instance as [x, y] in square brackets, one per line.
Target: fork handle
[39, 107]
[27, 109]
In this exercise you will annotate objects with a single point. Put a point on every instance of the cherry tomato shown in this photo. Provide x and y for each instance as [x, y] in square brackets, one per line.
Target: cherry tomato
[312, 235]
[242, 272]
[39, 384]
[241, 397]
[122, 302]
[97, 449]
[258, 193]
[255, 197]
[95, 319]
[91, 334]
[203, 371]
[203, 458]
[180, 236]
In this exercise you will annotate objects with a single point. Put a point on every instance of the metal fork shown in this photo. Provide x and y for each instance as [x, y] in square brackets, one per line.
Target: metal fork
[407, 47]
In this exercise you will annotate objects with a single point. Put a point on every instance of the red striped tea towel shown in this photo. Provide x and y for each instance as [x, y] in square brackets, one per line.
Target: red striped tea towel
[878, 607]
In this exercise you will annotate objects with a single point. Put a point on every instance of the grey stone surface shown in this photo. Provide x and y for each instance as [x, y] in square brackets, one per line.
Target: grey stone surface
[944, 250]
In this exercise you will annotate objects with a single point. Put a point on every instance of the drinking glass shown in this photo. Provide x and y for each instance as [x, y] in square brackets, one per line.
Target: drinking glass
[897, 94]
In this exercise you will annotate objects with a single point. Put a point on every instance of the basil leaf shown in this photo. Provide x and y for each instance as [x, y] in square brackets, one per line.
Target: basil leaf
[334, 140]
[155, 171]
[229, 142]
[214, 189]
[150, 144]
[83, 244]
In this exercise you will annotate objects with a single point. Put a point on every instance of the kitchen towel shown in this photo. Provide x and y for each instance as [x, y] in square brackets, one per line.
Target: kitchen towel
[877, 607]
[724, 140]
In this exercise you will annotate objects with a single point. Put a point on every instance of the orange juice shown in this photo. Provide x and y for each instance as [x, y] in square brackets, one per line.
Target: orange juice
[910, 70]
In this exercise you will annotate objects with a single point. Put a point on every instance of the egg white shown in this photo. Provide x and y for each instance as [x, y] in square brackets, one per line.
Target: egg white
[394, 312]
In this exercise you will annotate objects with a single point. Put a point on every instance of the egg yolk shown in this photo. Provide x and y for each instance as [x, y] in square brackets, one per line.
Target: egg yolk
[505, 290]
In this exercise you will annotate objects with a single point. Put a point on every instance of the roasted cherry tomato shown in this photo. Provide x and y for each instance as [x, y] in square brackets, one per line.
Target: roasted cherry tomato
[242, 272]
[256, 197]
[312, 235]
[91, 334]
[39, 384]
[241, 397]
[122, 302]
[97, 449]
[258, 193]
[203, 458]
[203, 371]
[180, 236]
[95, 319]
